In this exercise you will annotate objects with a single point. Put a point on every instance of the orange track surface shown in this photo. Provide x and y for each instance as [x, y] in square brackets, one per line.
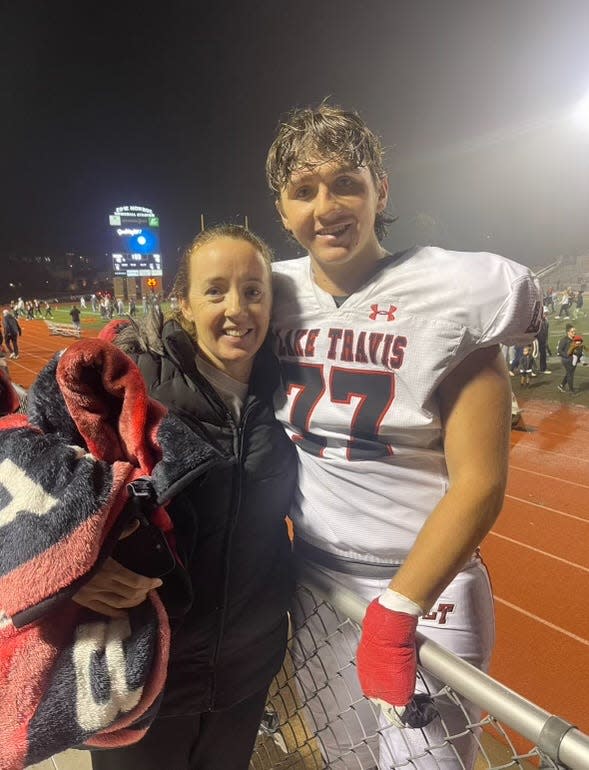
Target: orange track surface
[538, 552]
[538, 556]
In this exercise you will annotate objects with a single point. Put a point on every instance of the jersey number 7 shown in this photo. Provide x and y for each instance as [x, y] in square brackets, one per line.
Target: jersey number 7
[374, 391]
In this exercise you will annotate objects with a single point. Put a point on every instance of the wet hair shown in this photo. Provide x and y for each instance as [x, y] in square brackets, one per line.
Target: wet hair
[181, 287]
[327, 133]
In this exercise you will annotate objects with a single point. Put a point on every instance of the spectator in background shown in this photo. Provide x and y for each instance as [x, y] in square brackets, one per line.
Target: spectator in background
[549, 300]
[132, 307]
[514, 363]
[12, 332]
[526, 366]
[567, 298]
[48, 310]
[576, 350]
[82, 302]
[564, 351]
[75, 314]
[578, 305]
[542, 338]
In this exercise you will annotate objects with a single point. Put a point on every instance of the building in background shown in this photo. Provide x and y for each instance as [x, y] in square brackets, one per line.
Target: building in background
[136, 255]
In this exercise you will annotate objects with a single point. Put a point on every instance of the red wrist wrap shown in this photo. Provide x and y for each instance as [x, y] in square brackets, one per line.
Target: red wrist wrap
[386, 656]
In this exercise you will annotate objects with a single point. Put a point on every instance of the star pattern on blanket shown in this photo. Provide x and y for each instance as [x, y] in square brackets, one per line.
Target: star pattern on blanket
[21, 495]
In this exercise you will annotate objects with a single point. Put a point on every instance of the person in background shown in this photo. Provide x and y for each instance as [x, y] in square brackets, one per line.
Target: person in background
[576, 350]
[578, 311]
[397, 397]
[542, 338]
[526, 366]
[567, 299]
[12, 331]
[514, 363]
[75, 314]
[210, 365]
[563, 351]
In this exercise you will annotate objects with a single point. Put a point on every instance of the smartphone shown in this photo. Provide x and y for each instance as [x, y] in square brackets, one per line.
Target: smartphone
[145, 551]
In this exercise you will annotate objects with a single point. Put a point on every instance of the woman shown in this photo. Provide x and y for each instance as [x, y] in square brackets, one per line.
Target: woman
[209, 365]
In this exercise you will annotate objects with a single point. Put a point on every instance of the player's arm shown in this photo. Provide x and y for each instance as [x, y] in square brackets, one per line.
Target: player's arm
[475, 406]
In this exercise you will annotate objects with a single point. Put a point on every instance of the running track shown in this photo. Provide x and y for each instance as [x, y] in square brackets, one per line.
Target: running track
[538, 552]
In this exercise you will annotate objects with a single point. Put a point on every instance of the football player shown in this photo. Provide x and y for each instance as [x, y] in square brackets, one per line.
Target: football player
[398, 399]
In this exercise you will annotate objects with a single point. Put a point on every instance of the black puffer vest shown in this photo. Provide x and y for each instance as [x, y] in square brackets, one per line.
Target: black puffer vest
[230, 531]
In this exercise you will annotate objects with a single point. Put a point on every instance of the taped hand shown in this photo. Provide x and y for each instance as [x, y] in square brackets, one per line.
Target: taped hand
[386, 656]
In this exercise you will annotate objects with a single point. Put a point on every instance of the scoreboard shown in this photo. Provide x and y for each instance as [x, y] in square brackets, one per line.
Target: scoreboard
[135, 242]
[135, 265]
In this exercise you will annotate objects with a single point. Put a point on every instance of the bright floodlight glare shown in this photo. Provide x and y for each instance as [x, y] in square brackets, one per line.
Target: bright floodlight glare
[581, 114]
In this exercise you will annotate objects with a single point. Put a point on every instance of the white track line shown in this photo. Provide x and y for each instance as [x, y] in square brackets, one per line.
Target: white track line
[547, 476]
[542, 620]
[538, 550]
[14, 364]
[548, 451]
[547, 508]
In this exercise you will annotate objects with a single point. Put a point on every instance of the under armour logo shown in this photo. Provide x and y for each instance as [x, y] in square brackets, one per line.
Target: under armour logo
[390, 313]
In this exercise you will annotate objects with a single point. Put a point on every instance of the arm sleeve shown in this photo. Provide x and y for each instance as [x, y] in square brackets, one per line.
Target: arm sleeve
[518, 316]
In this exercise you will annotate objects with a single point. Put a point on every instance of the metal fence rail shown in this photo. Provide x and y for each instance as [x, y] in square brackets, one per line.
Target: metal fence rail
[295, 736]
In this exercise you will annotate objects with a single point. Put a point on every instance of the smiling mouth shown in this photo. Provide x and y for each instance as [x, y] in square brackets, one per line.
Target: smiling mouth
[236, 332]
[334, 231]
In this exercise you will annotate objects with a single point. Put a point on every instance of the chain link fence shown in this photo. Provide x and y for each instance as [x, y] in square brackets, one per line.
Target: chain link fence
[297, 735]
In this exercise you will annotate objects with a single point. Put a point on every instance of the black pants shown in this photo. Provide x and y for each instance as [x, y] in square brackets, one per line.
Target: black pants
[542, 353]
[214, 740]
[12, 344]
[569, 373]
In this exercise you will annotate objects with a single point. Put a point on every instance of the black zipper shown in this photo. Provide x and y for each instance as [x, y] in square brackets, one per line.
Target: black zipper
[234, 514]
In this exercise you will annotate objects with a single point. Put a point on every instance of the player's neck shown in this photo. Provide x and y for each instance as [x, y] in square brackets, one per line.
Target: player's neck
[346, 279]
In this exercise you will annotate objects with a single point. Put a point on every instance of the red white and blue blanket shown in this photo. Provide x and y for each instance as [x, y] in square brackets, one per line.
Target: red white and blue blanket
[70, 676]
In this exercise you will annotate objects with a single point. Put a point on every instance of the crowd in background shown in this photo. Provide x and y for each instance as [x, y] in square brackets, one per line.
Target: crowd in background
[528, 362]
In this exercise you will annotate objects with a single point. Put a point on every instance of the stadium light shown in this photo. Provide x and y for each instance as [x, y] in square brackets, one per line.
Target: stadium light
[581, 114]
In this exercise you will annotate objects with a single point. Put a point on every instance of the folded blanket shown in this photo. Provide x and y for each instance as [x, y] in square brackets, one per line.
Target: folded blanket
[70, 676]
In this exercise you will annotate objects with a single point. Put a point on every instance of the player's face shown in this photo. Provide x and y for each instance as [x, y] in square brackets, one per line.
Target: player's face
[229, 301]
[330, 209]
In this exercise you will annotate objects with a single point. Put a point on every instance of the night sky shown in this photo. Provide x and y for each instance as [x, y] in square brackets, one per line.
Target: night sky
[173, 105]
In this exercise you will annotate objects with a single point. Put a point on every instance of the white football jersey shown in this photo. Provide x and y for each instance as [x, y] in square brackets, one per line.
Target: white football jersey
[360, 384]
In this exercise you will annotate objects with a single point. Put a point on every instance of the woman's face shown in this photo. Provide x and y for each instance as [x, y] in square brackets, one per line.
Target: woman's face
[229, 300]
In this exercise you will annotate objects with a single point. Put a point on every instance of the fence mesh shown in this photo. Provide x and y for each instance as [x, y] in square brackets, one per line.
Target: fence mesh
[318, 678]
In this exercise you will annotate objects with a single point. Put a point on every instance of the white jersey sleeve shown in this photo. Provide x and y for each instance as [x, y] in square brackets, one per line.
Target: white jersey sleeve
[360, 382]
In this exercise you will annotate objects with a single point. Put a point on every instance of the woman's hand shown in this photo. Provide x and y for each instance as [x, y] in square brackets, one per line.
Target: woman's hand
[115, 588]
